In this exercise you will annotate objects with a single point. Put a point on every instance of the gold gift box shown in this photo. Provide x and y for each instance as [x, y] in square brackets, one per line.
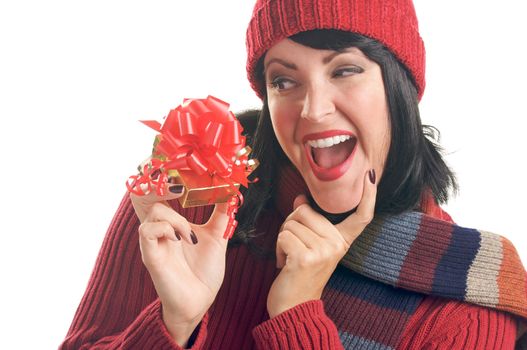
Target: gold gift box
[199, 190]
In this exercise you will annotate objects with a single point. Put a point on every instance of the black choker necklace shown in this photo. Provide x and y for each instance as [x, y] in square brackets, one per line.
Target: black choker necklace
[333, 218]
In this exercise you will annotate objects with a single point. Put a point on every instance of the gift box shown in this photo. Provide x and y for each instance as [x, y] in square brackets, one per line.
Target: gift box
[199, 146]
[206, 189]
[202, 190]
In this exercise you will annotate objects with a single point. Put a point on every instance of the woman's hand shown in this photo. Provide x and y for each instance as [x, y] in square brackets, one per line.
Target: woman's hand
[309, 248]
[186, 261]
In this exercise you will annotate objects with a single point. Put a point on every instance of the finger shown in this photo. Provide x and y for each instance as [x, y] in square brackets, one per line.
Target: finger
[172, 191]
[299, 200]
[151, 232]
[288, 246]
[309, 238]
[308, 217]
[162, 212]
[142, 204]
[354, 224]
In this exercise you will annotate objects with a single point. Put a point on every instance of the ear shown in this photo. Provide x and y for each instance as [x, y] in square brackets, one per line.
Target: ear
[299, 200]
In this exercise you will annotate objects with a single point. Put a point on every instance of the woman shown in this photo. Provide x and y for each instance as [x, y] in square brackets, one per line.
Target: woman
[365, 258]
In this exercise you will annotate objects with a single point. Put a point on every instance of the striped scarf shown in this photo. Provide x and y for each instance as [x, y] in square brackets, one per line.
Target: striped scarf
[420, 255]
[413, 255]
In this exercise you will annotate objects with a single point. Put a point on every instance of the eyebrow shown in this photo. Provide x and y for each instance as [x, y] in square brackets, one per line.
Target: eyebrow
[293, 66]
[282, 62]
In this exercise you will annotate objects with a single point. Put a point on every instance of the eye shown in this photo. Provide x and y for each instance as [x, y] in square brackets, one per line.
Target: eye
[281, 83]
[347, 71]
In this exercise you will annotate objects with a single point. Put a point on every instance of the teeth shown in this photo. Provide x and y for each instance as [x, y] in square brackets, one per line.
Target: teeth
[328, 141]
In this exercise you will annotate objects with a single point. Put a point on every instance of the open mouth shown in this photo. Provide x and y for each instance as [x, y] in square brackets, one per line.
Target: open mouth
[330, 153]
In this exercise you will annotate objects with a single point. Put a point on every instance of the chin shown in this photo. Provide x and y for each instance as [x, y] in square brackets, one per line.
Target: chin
[336, 204]
[338, 196]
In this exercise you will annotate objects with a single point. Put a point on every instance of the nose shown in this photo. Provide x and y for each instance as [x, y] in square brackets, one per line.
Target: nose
[318, 104]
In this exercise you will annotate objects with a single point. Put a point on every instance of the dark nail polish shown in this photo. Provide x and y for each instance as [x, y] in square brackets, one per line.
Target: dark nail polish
[155, 174]
[177, 189]
[371, 174]
[193, 237]
[178, 236]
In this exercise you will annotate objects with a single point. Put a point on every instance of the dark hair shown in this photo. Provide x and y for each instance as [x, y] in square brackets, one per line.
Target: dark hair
[414, 165]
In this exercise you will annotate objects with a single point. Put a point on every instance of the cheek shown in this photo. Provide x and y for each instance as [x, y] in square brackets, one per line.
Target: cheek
[379, 139]
[283, 121]
[383, 131]
[386, 141]
[374, 124]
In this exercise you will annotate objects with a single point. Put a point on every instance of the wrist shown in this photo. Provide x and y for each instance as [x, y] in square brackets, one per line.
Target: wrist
[275, 310]
[280, 301]
[180, 331]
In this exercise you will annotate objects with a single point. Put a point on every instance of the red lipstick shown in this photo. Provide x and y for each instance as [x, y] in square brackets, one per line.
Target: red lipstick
[329, 174]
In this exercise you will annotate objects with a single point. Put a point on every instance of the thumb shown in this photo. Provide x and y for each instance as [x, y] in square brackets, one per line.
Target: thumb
[219, 219]
[354, 224]
[299, 200]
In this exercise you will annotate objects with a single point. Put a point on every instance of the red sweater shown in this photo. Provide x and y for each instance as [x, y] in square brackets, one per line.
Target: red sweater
[120, 308]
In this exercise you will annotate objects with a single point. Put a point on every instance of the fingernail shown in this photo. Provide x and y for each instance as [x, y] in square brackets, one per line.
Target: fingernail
[178, 236]
[155, 174]
[177, 189]
[193, 237]
[371, 174]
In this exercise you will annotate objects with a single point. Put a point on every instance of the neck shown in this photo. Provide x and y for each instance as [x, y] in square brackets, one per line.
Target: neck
[333, 218]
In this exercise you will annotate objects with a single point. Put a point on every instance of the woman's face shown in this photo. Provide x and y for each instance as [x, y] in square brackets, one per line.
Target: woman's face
[330, 116]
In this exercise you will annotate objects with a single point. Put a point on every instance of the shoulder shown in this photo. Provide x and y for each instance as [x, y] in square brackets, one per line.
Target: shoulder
[440, 321]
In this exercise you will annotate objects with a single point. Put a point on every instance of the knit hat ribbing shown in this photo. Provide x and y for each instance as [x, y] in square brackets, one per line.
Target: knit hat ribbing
[391, 22]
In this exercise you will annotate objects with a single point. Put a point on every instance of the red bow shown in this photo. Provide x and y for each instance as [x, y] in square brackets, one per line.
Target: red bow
[201, 135]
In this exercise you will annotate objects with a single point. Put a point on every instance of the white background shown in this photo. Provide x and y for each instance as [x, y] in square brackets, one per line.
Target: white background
[76, 76]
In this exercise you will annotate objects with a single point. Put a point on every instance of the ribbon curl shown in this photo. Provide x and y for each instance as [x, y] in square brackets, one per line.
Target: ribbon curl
[203, 136]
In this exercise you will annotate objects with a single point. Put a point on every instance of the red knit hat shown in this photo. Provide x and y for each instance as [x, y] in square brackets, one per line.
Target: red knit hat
[391, 22]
